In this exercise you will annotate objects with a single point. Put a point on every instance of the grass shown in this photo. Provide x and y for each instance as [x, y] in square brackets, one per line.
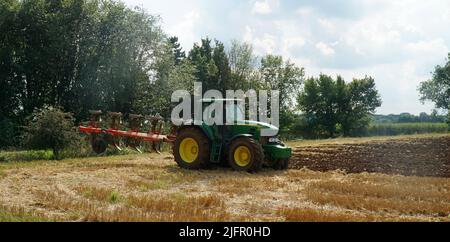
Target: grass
[17, 214]
[330, 215]
[135, 208]
[395, 198]
[99, 194]
[26, 155]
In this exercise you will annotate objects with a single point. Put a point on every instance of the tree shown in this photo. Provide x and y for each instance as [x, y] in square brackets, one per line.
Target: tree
[242, 66]
[285, 77]
[212, 65]
[50, 128]
[318, 102]
[154, 96]
[177, 51]
[437, 89]
[361, 101]
[80, 55]
[11, 87]
[334, 106]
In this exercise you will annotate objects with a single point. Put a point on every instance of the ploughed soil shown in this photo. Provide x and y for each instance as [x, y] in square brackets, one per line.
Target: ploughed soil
[418, 156]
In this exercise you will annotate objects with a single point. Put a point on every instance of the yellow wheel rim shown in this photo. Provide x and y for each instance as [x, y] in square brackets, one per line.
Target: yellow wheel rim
[188, 150]
[242, 156]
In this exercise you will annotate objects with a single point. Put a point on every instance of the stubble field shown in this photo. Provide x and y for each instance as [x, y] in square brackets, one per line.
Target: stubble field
[404, 178]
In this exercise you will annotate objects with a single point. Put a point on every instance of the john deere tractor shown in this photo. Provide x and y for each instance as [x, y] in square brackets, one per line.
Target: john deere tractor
[239, 144]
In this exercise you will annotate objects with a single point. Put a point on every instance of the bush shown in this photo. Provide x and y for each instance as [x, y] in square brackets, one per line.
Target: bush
[50, 128]
[9, 133]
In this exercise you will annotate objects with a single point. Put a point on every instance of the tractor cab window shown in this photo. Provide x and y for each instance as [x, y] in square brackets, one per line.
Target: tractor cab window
[234, 112]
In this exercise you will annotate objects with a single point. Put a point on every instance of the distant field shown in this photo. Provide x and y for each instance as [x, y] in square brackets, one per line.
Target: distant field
[386, 129]
[404, 178]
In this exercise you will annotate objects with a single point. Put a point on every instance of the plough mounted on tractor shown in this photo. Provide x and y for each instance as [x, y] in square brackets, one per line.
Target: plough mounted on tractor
[100, 137]
[196, 144]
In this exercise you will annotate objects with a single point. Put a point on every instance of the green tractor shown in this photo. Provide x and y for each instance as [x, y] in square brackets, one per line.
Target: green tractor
[240, 144]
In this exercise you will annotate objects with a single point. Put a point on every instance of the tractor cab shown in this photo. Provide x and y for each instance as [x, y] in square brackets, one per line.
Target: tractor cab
[238, 143]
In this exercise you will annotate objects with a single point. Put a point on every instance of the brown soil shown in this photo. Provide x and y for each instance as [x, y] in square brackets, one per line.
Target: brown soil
[407, 156]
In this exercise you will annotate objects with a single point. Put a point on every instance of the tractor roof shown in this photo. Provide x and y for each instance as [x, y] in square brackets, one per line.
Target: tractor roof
[206, 100]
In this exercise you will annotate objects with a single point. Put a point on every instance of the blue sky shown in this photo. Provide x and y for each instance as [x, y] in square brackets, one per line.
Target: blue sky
[398, 42]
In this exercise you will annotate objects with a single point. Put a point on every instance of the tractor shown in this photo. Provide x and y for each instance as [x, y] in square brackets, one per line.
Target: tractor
[239, 144]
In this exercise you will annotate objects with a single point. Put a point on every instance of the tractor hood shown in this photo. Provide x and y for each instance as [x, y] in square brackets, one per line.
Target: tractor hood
[270, 129]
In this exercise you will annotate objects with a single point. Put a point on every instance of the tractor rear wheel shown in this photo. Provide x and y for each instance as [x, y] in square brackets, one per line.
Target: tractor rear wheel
[191, 149]
[245, 154]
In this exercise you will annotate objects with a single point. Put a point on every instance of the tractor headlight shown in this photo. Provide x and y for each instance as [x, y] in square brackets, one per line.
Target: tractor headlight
[274, 140]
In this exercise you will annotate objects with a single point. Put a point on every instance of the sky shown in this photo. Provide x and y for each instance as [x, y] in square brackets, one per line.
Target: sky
[397, 42]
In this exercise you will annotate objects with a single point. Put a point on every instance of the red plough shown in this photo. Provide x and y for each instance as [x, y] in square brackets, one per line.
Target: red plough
[100, 137]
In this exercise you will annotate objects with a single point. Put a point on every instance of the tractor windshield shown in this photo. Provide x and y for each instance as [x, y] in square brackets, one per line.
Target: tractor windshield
[234, 112]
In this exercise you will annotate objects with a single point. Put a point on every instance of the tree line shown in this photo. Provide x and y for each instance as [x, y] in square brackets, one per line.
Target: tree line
[423, 117]
[99, 54]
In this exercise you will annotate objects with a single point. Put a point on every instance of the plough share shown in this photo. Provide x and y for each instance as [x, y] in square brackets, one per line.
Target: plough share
[100, 137]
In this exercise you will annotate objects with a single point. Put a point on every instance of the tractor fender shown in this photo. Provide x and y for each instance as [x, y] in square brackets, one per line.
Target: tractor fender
[239, 136]
[202, 128]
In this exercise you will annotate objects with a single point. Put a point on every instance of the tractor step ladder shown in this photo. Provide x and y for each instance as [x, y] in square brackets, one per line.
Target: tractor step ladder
[216, 152]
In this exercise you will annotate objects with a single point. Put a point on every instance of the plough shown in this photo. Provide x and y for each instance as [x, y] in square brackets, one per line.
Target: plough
[100, 137]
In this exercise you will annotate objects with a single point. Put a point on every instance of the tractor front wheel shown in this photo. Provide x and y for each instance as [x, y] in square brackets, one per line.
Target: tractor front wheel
[280, 164]
[191, 149]
[245, 154]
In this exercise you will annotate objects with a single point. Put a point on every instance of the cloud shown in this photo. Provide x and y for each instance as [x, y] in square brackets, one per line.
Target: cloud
[265, 44]
[261, 7]
[325, 49]
[186, 28]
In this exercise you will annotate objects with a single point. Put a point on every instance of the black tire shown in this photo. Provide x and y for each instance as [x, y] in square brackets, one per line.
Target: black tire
[98, 143]
[256, 154]
[203, 157]
[281, 164]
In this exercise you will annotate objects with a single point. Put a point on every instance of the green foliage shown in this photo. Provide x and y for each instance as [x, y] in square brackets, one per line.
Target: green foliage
[409, 118]
[212, 65]
[387, 129]
[177, 52]
[25, 155]
[333, 107]
[242, 66]
[50, 128]
[13, 214]
[437, 89]
[113, 197]
[283, 76]
[9, 132]
[79, 55]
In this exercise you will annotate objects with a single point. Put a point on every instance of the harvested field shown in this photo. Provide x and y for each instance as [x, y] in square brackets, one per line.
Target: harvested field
[320, 186]
[418, 156]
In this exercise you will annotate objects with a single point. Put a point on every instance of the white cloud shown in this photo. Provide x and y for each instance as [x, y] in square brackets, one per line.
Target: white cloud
[325, 49]
[186, 28]
[266, 44]
[327, 25]
[290, 42]
[264, 7]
